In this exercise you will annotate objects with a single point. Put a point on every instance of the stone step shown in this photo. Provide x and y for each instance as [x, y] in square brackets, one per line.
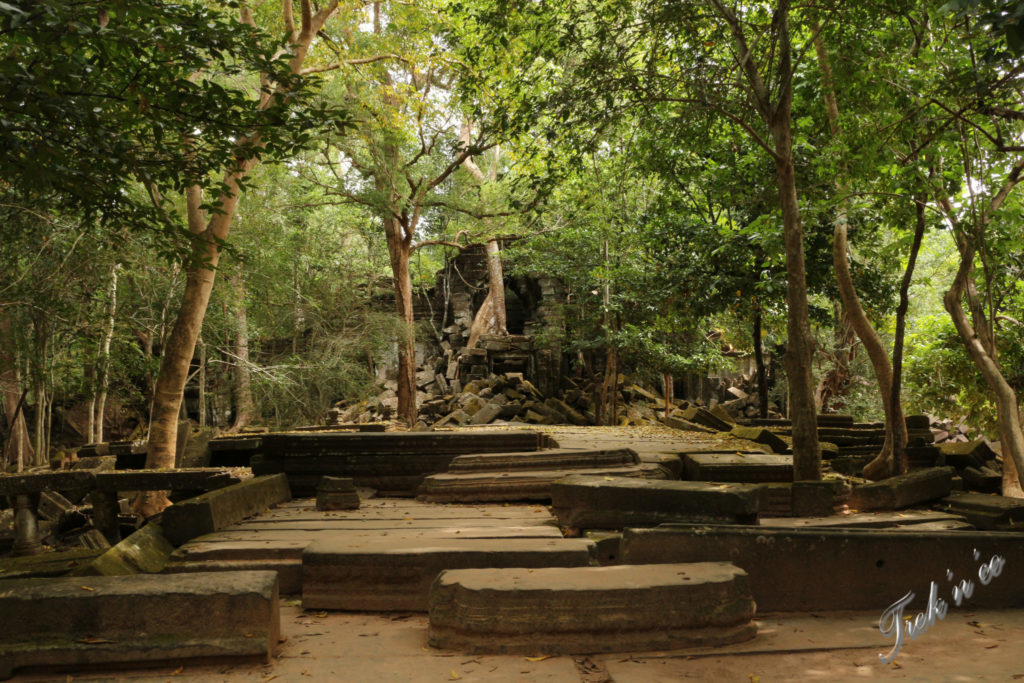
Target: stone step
[285, 445]
[281, 550]
[753, 468]
[588, 502]
[986, 511]
[385, 575]
[520, 485]
[552, 459]
[560, 611]
[803, 570]
[134, 620]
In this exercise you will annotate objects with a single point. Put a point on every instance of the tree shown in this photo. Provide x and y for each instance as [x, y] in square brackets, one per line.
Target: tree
[407, 144]
[209, 225]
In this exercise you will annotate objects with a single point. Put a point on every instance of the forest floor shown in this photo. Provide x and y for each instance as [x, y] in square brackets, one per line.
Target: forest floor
[968, 645]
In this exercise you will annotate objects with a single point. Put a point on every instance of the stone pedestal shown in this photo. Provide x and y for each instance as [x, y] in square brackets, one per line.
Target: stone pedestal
[26, 529]
[336, 493]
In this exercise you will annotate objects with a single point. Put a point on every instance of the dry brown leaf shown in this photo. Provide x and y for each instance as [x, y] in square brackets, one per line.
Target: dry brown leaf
[541, 658]
[87, 588]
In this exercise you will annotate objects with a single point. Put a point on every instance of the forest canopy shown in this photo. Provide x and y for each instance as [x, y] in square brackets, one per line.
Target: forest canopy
[251, 213]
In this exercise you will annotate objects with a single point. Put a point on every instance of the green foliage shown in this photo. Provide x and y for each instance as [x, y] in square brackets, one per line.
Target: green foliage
[99, 94]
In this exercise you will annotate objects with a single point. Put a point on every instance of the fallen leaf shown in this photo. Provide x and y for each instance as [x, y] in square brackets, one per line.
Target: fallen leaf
[91, 640]
[989, 647]
[88, 588]
[455, 675]
[248, 635]
[541, 658]
[753, 678]
[178, 671]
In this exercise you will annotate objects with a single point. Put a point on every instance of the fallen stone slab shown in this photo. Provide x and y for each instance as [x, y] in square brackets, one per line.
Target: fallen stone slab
[986, 511]
[762, 436]
[519, 485]
[971, 454]
[144, 552]
[904, 490]
[51, 564]
[705, 417]
[73, 623]
[685, 425]
[803, 570]
[752, 468]
[588, 502]
[385, 575]
[217, 509]
[560, 611]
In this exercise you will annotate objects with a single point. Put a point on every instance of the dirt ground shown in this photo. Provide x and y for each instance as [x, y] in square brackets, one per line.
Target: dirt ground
[322, 646]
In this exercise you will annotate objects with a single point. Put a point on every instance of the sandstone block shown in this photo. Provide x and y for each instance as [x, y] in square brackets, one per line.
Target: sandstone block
[590, 609]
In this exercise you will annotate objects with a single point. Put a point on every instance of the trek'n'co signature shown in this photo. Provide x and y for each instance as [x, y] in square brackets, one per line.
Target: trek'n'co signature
[893, 623]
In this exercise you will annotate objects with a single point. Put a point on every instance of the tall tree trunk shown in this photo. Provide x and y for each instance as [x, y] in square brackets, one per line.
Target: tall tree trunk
[895, 427]
[205, 254]
[777, 115]
[800, 344]
[18, 448]
[243, 378]
[895, 400]
[496, 283]
[399, 252]
[762, 373]
[103, 369]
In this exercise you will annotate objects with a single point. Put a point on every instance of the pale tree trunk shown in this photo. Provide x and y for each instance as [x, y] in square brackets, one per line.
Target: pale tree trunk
[205, 254]
[399, 243]
[1011, 437]
[799, 342]
[895, 428]
[668, 393]
[762, 374]
[496, 284]
[103, 369]
[490, 319]
[979, 337]
[242, 375]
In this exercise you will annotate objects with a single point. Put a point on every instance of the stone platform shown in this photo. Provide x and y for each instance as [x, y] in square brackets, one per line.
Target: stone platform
[808, 569]
[81, 622]
[276, 538]
[740, 467]
[588, 502]
[387, 574]
[590, 609]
